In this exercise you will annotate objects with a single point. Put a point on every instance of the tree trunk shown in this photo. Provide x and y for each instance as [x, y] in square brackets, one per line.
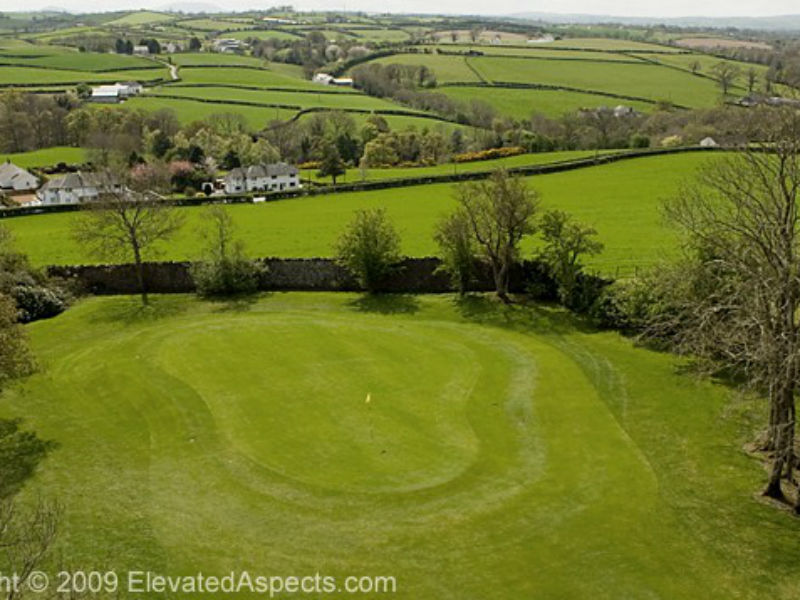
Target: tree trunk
[140, 275]
[500, 273]
[784, 441]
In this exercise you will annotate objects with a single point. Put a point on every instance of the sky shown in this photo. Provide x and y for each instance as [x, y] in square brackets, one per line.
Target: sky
[631, 8]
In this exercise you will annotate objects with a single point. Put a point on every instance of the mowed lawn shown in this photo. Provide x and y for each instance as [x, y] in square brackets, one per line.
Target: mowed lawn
[504, 452]
[46, 157]
[622, 200]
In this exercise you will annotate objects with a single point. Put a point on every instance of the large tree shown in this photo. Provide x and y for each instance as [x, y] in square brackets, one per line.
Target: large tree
[500, 211]
[128, 220]
[369, 248]
[734, 300]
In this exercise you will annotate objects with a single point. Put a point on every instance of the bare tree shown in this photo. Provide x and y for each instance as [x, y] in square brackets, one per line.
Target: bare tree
[500, 212]
[735, 298]
[26, 537]
[726, 74]
[128, 219]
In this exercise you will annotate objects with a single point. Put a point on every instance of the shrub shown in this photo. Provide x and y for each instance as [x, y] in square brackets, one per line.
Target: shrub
[36, 302]
[489, 154]
[369, 248]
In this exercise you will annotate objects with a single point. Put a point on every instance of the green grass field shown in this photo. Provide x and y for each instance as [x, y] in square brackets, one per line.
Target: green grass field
[87, 61]
[212, 24]
[621, 200]
[189, 110]
[653, 82]
[522, 103]
[141, 17]
[609, 44]
[305, 99]
[46, 157]
[504, 453]
[214, 58]
[25, 76]
[262, 34]
[251, 77]
[446, 68]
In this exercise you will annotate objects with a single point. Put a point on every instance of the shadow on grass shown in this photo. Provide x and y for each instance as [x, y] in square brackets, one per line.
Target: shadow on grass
[235, 304]
[523, 315]
[129, 310]
[386, 304]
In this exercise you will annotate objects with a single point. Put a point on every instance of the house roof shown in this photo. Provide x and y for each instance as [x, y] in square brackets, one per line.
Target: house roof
[10, 173]
[254, 171]
[72, 181]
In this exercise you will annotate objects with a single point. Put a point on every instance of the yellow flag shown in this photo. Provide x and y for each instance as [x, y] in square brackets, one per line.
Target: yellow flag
[369, 398]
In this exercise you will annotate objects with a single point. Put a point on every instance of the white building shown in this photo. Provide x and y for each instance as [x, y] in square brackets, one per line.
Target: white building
[16, 179]
[141, 51]
[72, 188]
[111, 94]
[229, 45]
[325, 79]
[262, 178]
[709, 142]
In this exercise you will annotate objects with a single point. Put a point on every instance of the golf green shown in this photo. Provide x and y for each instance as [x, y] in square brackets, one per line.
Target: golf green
[467, 449]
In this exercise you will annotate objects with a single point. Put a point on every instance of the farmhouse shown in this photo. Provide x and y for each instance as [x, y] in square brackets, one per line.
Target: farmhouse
[325, 79]
[262, 178]
[141, 51]
[16, 179]
[72, 188]
[229, 46]
[111, 94]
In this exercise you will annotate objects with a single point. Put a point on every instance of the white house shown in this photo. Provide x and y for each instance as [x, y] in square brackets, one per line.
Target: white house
[323, 78]
[229, 45]
[72, 188]
[141, 51]
[262, 178]
[16, 179]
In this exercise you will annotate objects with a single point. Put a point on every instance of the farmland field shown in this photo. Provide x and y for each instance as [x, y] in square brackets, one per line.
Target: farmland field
[86, 61]
[240, 76]
[190, 110]
[533, 458]
[446, 68]
[621, 200]
[46, 157]
[26, 76]
[143, 17]
[639, 80]
[522, 103]
[213, 58]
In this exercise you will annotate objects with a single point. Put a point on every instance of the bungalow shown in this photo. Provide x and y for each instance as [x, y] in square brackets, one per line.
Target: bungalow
[16, 179]
[262, 178]
[72, 188]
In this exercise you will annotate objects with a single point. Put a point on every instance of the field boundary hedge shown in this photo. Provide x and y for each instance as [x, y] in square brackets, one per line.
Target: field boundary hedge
[254, 88]
[412, 275]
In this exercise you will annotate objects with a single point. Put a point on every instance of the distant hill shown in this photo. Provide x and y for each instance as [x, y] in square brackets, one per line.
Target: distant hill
[777, 23]
[192, 7]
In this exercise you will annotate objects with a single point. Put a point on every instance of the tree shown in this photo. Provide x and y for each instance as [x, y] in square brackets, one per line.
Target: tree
[726, 74]
[565, 242]
[695, 67]
[500, 213]
[128, 218]
[331, 164]
[15, 358]
[195, 44]
[224, 269]
[457, 249]
[369, 248]
[752, 79]
[734, 299]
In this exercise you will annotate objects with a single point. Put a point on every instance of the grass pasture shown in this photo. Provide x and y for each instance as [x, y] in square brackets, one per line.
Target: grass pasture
[46, 157]
[622, 200]
[652, 82]
[533, 458]
[19, 75]
[447, 68]
[188, 110]
[522, 103]
[239, 76]
[141, 17]
[86, 61]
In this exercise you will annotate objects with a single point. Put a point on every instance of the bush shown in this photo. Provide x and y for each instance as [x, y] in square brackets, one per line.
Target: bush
[640, 141]
[489, 154]
[36, 302]
[369, 248]
[231, 276]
